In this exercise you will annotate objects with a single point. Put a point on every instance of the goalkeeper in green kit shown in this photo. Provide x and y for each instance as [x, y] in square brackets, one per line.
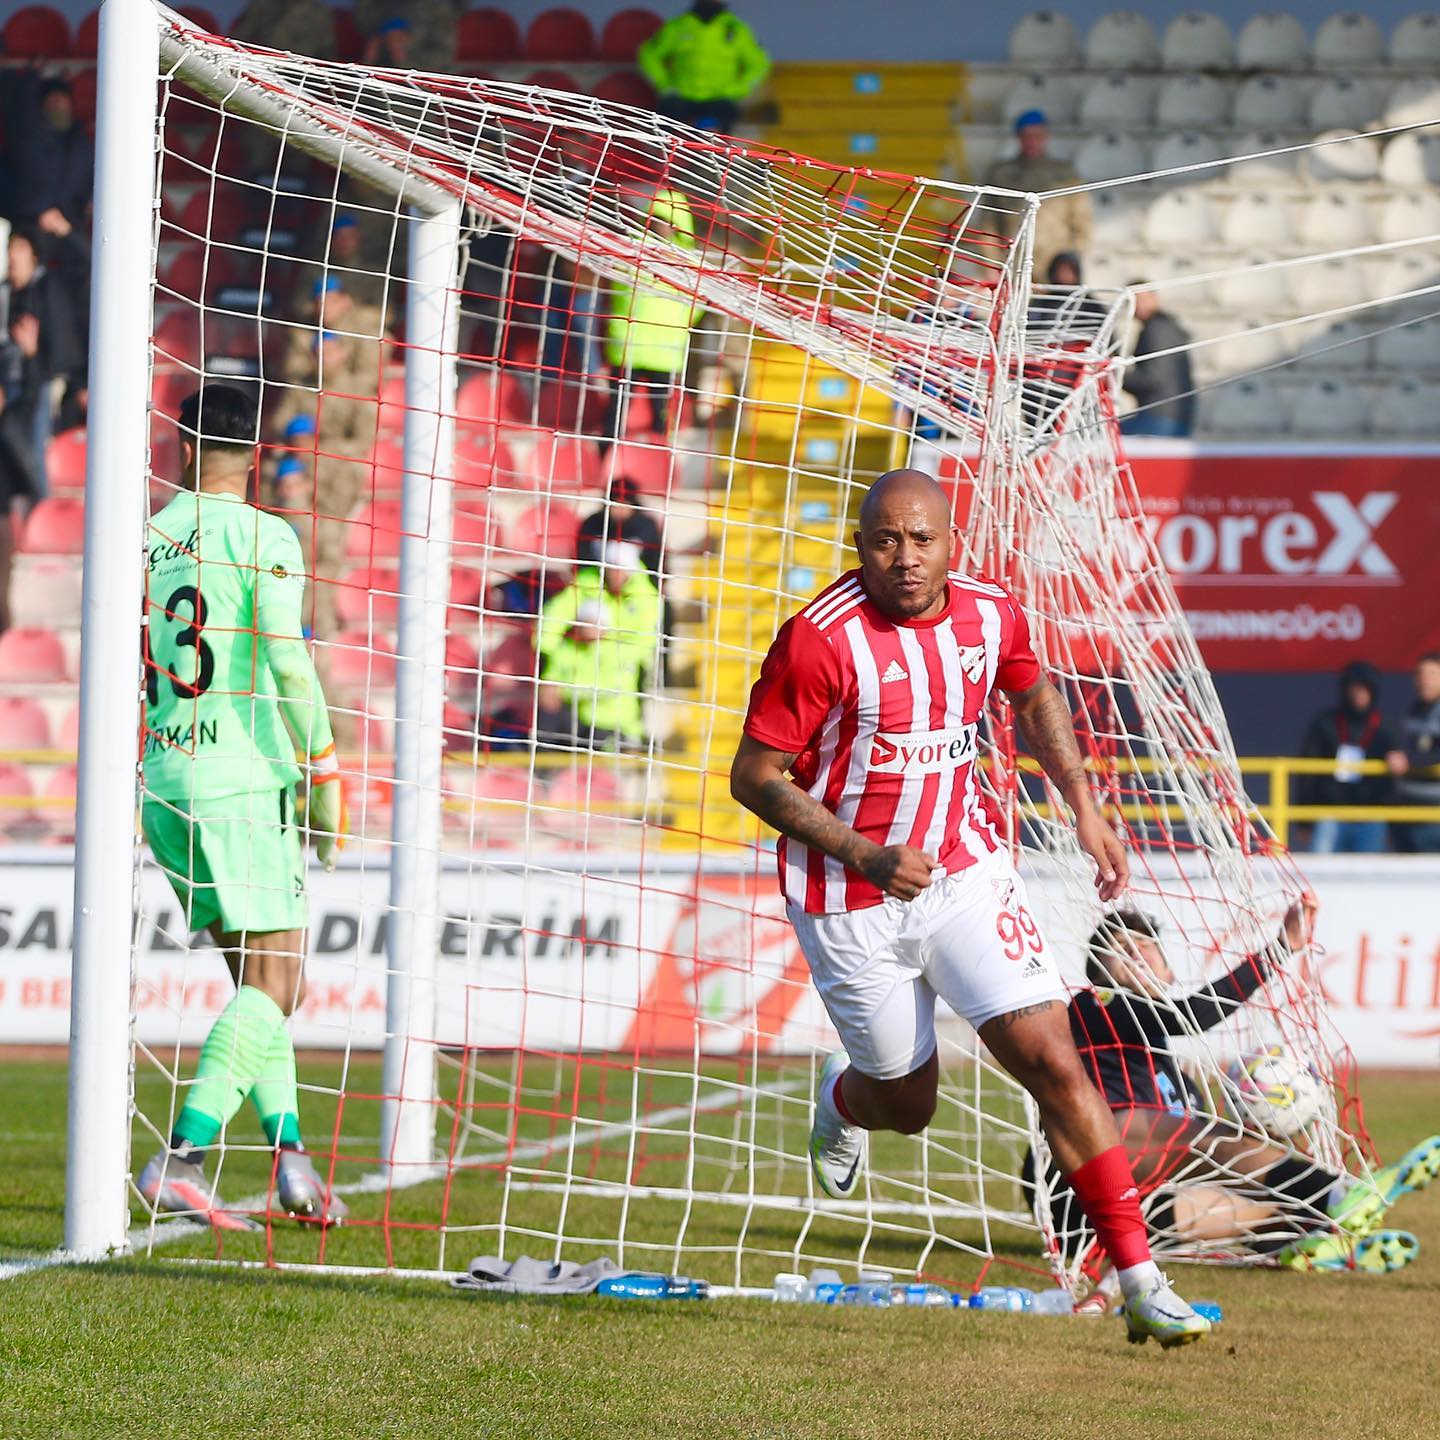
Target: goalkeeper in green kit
[231, 699]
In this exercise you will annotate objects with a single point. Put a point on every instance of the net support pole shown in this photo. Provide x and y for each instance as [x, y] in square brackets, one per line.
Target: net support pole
[407, 1126]
[98, 1133]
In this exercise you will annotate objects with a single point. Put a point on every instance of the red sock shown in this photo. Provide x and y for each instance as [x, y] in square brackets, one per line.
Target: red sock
[837, 1096]
[1108, 1195]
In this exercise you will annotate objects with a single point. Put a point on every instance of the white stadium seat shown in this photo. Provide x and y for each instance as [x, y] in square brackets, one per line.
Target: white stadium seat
[1046, 37]
[1119, 216]
[1413, 102]
[1258, 221]
[1412, 159]
[1197, 41]
[1345, 102]
[1335, 345]
[1407, 409]
[1245, 290]
[1183, 298]
[1403, 273]
[1121, 40]
[1245, 350]
[1269, 102]
[1348, 41]
[1409, 348]
[1352, 157]
[1415, 41]
[1110, 156]
[1190, 101]
[1272, 41]
[1179, 221]
[1409, 216]
[1190, 147]
[1330, 408]
[1263, 168]
[1331, 217]
[1247, 407]
[1117, 102]
[1054, 94]
[1326, 285]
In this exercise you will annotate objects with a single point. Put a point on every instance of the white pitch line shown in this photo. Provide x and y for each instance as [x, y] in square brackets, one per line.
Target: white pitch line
[379, 1182]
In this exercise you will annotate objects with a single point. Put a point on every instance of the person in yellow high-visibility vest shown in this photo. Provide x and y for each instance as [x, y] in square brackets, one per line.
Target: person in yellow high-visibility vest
[647, 336]
[704, 63]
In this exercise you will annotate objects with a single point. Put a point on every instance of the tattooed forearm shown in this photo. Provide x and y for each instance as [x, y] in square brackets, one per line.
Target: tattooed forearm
[792, 812]
[1011, 1017]
[1044, 721]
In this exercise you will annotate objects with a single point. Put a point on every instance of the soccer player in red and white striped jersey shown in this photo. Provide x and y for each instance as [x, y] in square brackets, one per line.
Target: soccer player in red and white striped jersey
[898, 886]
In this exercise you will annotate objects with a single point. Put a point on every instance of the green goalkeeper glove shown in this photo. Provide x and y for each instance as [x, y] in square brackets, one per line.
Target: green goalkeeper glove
[325, 810]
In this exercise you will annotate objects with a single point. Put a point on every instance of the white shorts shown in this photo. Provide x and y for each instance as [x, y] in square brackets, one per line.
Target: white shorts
[969, 938]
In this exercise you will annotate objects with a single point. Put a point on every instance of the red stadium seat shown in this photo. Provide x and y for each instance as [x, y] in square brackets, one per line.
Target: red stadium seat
[492, 396]
[577, 790]
[62, 784]
[497, 782]
[36, 32]
[86, 44]
[47, 592]
[552, 79]
[546, 530]
[625, 32]
[177, 338]
[349, 38]
[67, 734]
[15, 791]
[565, 464]
[56, 527]
[487, 34]
[626, 87]
[390, 419]
[387, 474]
[649, 466]
[59, 813]
[461, 656]
[374, 532]
[472, 532]
[30, 655]
[368, 596]
[476, 466]
[560, 34]
[353, 661]
[65, 460]
[24, 724]
[514, 655]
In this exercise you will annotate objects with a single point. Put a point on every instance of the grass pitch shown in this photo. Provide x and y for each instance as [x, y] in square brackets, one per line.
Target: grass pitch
[149, 1348]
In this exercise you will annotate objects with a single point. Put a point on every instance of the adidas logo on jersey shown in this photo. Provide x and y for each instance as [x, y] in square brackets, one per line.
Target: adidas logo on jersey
[894, 671]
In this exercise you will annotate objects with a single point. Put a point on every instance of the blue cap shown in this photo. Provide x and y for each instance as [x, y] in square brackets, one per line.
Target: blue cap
[325, 285]
[290, 465]
[1027, 118]
[344, 222]
[300, 425]
[395, 22]
[323, 336]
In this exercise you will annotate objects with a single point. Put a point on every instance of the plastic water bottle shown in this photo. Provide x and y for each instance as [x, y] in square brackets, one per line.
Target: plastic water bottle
[872, 1293]
[1210, 1309]
[1054, 1302]
[920, 1295]
[825, 1287]
[791, 1288]
[644, 1285]
[1002, 1297]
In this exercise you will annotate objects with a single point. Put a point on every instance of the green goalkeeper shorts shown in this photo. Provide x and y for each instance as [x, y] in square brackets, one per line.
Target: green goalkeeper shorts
[235, 861]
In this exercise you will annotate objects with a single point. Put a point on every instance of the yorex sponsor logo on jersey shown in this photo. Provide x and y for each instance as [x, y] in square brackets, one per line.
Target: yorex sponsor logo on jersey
[922, 752]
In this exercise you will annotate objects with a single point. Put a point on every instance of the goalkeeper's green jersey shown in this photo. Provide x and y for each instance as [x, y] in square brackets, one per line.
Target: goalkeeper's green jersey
[224, 584]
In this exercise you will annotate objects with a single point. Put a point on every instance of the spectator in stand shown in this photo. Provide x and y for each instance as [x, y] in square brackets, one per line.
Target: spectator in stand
[598, 643]
[1064, 223]
[304, 27]
[647, 338]
[1419, 750]
[360, 248]
[52, 155]
[44, 328]
[1163, 387]
[703, 64]
[410, 34]
[622, 517]
[336, 312]
[1348, 733]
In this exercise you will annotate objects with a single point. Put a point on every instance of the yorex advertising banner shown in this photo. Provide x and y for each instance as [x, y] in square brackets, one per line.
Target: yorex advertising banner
[1284, 561]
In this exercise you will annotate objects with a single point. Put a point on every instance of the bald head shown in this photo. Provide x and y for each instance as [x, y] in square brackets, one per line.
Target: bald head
[905, 540]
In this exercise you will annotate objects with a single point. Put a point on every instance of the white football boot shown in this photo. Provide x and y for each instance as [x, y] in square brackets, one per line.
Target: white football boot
[1160, 1314]
[837, 1149]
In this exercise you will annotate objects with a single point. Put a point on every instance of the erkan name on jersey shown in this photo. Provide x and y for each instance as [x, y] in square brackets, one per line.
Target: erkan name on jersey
[882, 717]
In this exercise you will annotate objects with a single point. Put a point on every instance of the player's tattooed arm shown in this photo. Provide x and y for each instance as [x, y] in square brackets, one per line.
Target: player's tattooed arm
[758, 781]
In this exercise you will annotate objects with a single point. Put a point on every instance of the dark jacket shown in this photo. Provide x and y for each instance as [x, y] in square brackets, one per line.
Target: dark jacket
[62, 341]
[1420, 740]
[53, 168]
[638, 528]
[1164, 386]
[1333, 728]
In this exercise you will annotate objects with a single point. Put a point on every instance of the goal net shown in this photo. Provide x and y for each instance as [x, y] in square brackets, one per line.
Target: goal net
[570, 408]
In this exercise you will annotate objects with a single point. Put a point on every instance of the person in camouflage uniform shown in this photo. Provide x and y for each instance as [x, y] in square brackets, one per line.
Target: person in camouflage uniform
[425, 40]
[304, 27]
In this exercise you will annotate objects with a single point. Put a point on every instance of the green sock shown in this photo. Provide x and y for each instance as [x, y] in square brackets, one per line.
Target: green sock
[232, 1057]
[275, 1095]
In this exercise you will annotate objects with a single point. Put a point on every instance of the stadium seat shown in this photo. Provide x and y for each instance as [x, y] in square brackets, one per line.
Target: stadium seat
[46, 591]
[56, 527]
[1197, 41]
[36, 32]
[653, 468]
[1332, 217]
[478, 466]
[24, 724]
[349, 38]
[1409, 216]
[65, 460]
[1110, 156]
[1416, 41]
[1329, 345]
[31, 655]
[496, 783]
[1044, 38]
[15, 791]
[564, 464]
[1052, 94]
[368, 596]
[487, 34]
[1402, 273]
[472, 532]
[1411, 159]
[1188, 102]
[1407, 409]
[1179, 220]
[626, 87]
[177, 338]
[544, 531]
[1117, 217]
[67, 733]
[551, 78]
[1263, 168]
[85, 44]
[1269, 102]
[1256, 220]
[625, 32]
[1409, 348]
[577, 790]
[373, 532]
[353, 661]
[1272, 41]
[59, 791]
[1250, 407]
[461, 656]
[1185, 148]
[1351, 157]
[1115, 102]
[1326, 285]
[1413, 102]
[1344, 102]
[1328, 408]
[494, 396]
[560, 34]
[1348, 41]
[1122, 40]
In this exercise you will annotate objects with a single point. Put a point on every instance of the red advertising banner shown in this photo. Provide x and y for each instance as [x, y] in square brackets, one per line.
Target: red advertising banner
[1300, 562]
